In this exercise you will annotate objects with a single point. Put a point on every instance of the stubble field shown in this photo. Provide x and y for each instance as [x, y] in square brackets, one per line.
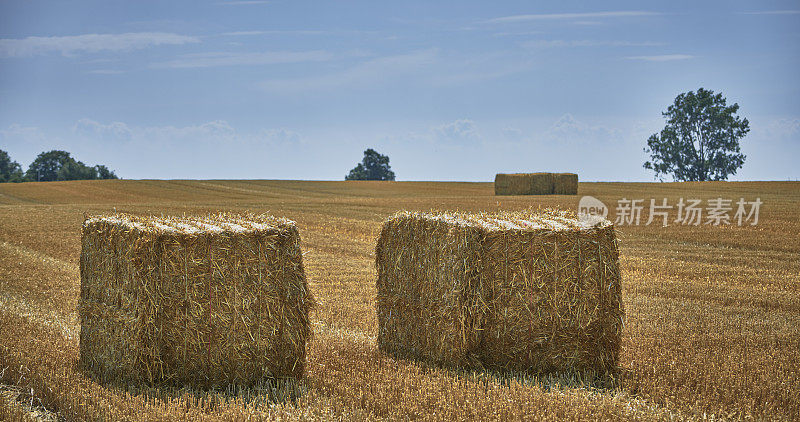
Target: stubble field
[712, 327]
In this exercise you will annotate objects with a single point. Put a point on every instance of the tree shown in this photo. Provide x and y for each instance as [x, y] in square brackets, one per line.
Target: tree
[59, 165]
[700, 141]
[10, 171]
[46, 166]
[104, 173]
[374, 166]
[76, 170]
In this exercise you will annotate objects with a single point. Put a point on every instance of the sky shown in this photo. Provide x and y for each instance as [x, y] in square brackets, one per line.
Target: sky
[449, 90]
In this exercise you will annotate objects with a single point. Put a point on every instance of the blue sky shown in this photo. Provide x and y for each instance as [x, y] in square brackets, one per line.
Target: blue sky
[449, 90]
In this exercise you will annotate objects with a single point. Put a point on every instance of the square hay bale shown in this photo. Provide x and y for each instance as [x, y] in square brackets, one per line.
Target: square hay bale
[523, 184]
[205, 301]
[565, 183]
[536, 184]
[528, 291]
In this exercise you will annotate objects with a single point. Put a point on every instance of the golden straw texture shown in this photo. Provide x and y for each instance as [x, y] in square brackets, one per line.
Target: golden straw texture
[534, 291]
[536, 184]
[205, 301]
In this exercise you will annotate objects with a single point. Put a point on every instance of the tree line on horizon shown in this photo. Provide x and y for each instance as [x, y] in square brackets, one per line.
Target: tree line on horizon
[51, 166]
[700, 142]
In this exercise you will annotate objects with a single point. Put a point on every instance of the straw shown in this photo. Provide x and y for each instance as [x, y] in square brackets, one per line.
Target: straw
[205, 301]
[533, 291]
[536, 184]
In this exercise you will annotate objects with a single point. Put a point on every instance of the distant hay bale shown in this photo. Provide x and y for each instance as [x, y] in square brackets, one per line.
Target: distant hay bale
[536, 184]
[565, 183]
[201, 301]
[532, 291]
[523, 184]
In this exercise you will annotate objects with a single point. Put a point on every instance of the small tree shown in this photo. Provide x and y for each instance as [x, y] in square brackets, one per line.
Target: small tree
[700, 141]
[374, 166]
[10, 171]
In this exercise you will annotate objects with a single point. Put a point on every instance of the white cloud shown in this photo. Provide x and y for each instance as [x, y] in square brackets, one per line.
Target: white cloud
[106, 72]
[515, 33]
[17, 133]
[279, 137]
[774, 12]
[565, 16]
[662, 57]
[112, 132]
[217, 59]
[213, 132]
[89, 43]
[567, 129]
[274, 32]
[587, 43]
[221, 132]
[512, 134]
[462, 131]
[367, 73]
[451, 135]
[243, 2]
[777, 129]
[242, 33]
[24, 142]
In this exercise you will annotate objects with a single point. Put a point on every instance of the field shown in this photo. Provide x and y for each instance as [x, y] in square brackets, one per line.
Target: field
[712, 327]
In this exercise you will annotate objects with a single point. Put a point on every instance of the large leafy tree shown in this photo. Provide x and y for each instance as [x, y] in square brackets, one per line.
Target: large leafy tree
[46, 166]
[700, 140]
[374, 166]
[10, 171]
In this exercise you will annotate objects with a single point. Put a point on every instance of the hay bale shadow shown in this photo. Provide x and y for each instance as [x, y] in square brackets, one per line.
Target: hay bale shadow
[547, 381]
[261, 395]
[608, 382]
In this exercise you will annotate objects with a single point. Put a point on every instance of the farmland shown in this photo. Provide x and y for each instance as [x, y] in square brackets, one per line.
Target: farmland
[712, 326]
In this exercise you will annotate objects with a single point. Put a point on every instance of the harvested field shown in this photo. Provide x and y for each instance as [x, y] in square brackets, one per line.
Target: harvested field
[711, 327]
